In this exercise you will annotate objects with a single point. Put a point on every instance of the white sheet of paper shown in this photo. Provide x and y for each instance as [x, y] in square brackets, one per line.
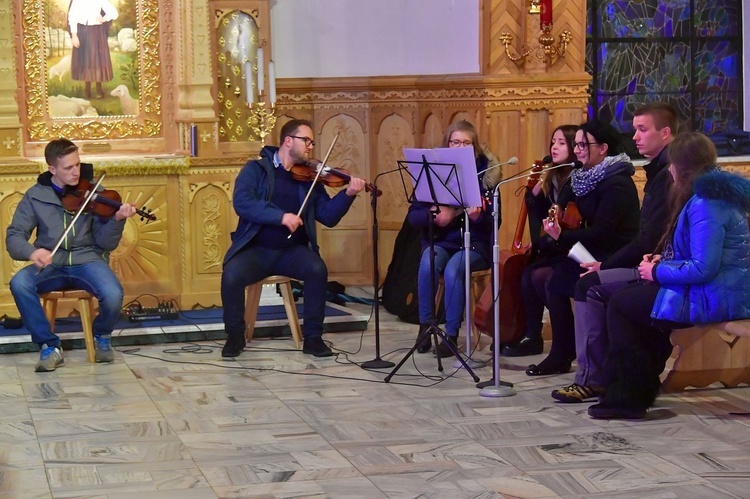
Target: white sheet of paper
[580, 254]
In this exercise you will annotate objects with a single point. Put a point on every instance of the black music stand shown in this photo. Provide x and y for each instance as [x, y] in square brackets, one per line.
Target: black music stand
[439, 188]
[377, 362]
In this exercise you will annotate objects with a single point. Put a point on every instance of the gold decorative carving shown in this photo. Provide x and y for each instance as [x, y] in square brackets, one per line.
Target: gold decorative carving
[10, 140]
[143, 166]
[39, 124]
[143, 252]
[196, 187]
[213, 252]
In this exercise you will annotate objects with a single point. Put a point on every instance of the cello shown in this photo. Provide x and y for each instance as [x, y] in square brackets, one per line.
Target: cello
[511, 264]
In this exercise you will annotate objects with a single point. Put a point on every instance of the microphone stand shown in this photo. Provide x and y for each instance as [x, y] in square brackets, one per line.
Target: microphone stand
[377, 362]
[500, 388]
[496, 390]
[468, 313]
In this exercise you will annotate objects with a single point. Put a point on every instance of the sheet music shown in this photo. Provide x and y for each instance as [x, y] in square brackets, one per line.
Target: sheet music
[456, 171]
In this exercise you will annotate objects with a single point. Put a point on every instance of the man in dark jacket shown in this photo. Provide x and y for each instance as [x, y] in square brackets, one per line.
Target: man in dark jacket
[655, 125]
[81, 261]
[271, 239]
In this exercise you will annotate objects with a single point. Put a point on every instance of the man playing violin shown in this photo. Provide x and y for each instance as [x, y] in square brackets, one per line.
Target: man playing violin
[271, 239]
[81, 261]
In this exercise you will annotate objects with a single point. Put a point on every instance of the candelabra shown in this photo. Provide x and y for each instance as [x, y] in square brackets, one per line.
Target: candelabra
[262, 118]
[546, 50]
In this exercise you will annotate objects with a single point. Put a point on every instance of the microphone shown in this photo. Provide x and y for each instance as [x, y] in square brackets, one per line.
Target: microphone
[511, 161]
[574, 164]
[547, 159]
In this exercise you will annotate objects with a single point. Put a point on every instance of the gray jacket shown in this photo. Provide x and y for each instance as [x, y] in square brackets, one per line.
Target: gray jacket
[91, 239]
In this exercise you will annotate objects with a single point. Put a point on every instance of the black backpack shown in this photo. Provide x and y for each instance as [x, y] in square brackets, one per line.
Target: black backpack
[399, 295]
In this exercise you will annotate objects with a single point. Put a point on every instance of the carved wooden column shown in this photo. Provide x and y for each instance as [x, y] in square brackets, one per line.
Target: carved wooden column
[11, 133]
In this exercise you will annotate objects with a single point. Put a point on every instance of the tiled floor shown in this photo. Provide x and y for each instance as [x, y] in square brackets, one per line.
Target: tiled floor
[174, 421]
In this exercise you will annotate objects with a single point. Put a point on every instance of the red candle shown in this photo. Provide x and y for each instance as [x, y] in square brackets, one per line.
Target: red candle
[545, 13]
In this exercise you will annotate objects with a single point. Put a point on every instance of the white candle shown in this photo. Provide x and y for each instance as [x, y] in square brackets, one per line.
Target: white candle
[261, 69]
[249, 94]
[271, 83]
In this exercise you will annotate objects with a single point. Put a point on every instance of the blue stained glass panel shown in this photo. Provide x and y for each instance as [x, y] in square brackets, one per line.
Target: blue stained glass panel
[684, 52]
[717, 18]
[717, 67]
[643, 19]
[717, 112]
[643, 68]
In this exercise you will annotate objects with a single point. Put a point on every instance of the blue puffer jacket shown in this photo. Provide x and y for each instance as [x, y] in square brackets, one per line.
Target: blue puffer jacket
[709, 278]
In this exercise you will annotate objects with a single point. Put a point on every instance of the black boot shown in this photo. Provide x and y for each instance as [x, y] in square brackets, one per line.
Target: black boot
[443, 351]
[526, 346]
[426, 344]
[633, 389]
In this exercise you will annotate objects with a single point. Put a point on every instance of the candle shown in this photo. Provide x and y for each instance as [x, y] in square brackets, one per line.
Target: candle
[545, 13]
[249, 94]
[271, 83]
[261, 76]
[193, 140]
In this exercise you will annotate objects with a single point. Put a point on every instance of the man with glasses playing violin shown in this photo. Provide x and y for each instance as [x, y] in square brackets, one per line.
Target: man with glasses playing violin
[272, 239]
[81, 261]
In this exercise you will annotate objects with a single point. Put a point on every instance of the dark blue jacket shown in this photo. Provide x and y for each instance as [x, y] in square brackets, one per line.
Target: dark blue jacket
[708, 280]
[253, 190]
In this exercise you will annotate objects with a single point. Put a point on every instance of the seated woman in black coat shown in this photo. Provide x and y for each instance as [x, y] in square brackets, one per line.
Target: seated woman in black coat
[608, 201]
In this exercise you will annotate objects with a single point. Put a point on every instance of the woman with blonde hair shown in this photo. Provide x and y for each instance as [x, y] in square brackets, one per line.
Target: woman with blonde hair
[447, 231]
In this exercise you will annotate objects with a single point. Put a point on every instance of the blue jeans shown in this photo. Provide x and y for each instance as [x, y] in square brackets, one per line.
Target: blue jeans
[254, 263]
[452, 267]
[95, 277]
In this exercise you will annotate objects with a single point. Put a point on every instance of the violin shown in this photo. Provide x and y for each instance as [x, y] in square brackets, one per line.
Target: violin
[104, 203]
[332, 177]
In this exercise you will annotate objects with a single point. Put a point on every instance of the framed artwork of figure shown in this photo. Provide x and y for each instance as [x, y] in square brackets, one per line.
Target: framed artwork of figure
[91, 69]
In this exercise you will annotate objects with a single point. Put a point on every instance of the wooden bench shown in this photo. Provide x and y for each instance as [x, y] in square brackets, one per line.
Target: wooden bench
[710, 353]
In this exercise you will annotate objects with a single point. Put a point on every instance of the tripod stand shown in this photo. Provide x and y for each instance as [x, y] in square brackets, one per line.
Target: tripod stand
[433, 332]
[377, 362]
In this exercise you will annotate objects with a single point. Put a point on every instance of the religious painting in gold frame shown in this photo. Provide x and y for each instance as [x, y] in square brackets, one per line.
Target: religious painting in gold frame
[126, 106]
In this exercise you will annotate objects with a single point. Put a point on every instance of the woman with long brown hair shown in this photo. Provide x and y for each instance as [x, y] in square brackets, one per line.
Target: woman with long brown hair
[701, 274]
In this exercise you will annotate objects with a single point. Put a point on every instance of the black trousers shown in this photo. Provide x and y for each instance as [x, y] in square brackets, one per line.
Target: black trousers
[639, 347]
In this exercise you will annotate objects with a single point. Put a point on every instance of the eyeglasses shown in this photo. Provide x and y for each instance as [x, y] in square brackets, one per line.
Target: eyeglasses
[308, 141]
[583, 145]
[458, 143]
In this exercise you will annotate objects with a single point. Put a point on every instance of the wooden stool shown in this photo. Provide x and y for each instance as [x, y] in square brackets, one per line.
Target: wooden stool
[253, 301]
[480, 279]
[85, 308]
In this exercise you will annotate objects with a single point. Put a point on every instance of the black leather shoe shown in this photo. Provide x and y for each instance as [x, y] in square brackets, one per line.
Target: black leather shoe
[600, 411]
[526, 346]
[547, 367]
[443, 351]
[426, 344]
[316, 347]
[234, 346]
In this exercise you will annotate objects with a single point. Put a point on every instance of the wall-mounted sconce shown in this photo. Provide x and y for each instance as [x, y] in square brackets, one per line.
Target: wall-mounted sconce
[546, 50]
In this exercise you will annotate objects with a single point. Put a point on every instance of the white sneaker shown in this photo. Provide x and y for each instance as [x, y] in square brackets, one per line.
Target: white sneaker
[50, 359]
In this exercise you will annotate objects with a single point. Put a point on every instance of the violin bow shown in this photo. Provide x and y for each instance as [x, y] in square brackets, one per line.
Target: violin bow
[317, 176]
[78, 214]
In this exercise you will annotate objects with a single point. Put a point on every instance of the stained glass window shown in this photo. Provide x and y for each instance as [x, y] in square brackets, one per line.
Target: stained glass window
[684, 52]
